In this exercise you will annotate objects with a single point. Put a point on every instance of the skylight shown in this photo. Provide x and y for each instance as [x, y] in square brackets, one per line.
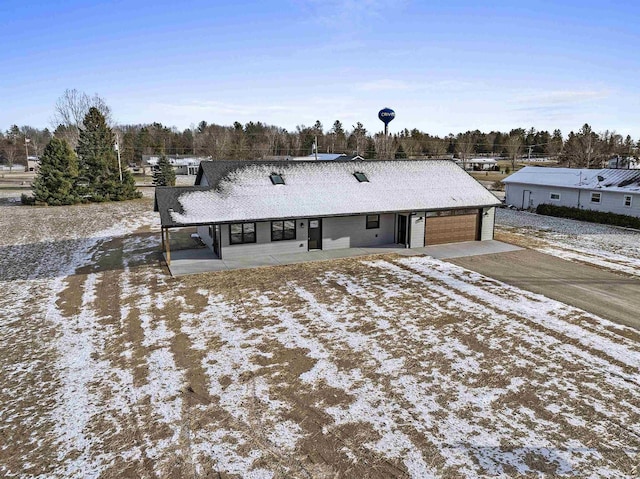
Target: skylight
[276, 179]
[361, 177]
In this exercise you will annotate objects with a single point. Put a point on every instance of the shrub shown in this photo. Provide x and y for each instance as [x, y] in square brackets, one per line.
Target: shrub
[27, 200]
[589, 215]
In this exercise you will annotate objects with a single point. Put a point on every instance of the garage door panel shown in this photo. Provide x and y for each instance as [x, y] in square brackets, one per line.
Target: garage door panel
[451, 229]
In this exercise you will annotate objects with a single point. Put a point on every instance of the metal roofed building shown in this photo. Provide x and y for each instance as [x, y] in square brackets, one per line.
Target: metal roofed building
[608, 190]
[245, 208]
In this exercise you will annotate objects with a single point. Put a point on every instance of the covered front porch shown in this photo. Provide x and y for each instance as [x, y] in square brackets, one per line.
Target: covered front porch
[201, 260]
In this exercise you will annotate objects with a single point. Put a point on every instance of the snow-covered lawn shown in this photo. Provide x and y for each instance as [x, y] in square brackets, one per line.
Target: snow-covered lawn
[608, 247]
[370, 367]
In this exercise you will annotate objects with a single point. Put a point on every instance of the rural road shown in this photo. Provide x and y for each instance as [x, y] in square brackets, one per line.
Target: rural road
[600, 292]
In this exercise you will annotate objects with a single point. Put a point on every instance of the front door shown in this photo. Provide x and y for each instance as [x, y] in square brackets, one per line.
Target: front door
[315, 233]
[402, 229]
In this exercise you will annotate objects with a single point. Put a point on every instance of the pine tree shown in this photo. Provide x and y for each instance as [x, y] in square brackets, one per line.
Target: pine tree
[400, 153]
[99, 164]
[55, 182]
[164, 175]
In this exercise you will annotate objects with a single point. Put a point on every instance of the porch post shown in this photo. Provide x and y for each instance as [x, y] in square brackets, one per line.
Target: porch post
[168, 249]
[162, 235]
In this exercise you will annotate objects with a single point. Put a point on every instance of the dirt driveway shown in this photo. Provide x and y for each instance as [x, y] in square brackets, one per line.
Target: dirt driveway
[600, 292]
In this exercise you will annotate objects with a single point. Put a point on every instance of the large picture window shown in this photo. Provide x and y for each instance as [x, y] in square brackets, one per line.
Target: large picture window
[373, 222]
[240, 233]
[283, 230]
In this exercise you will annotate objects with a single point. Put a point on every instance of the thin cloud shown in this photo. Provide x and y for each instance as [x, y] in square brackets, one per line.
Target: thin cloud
[562, 97]
[341, 13]
[384, 84]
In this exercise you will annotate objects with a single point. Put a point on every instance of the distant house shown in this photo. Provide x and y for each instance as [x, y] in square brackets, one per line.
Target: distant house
[33, 163]
[478, 164]
[256, 208]
[609, 190]
[182, 164]
[627, 162]
[328, 157]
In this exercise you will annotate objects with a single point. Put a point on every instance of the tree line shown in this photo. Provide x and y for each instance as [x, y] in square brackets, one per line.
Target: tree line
[89, 173]
[258, 140]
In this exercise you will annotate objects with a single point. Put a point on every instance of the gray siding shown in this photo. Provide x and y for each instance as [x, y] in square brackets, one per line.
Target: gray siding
[350, 232]
[610, 201]
[533, 195]
[488, 219]
[203, 232]
[263, 244]
[416, 240]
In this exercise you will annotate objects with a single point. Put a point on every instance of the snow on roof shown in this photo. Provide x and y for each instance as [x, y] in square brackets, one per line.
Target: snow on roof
[316, 188]
[580, 178]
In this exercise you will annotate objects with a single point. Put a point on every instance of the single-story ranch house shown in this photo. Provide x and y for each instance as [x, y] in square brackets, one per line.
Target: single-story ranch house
[243, 208]
[609, 190]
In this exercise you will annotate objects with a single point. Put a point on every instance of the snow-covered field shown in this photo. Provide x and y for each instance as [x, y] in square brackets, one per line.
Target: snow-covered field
[607, 247]
[371, 367]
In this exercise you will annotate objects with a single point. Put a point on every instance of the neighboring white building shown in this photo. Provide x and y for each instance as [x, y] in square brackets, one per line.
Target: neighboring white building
[245, 208]
[182, 164]
[628, 163]
[609, 190]
[483, 164]
[327, 157]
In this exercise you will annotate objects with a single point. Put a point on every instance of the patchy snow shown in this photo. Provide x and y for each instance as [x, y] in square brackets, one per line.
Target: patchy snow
[394, 367]
[608, 247]
[329, 188]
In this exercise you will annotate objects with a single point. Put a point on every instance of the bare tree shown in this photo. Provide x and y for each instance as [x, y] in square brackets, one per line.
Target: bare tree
[70, 110]
[464, 146]
[513, 145]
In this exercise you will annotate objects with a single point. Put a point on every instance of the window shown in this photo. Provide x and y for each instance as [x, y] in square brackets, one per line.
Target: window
[628, 200]
[283, 230]
[554, 196]
[276, 179]
[240, 233]
[595, 197]
[373, 221]
[361, 177]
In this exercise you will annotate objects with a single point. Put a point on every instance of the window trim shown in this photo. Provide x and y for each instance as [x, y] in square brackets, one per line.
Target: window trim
[295, 230]
[552, 194]
[276, 179]
[361, 177]
[243, 233]
[624, 201]
[372, 225]
[591, 200]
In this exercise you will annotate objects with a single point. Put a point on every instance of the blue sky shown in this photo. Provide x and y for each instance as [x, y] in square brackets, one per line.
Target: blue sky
[443, 66]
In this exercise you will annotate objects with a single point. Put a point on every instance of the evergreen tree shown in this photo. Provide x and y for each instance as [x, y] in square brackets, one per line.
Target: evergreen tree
[55, 182]
[164, 175]
[400, 153]
[99, 164]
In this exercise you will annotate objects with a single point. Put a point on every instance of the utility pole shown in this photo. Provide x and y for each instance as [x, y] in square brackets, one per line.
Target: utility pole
[315, 147]
[26, 153]
[119, 163]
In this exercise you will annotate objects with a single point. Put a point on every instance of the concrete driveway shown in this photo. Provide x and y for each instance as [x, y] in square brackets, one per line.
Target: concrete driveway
[600, 292]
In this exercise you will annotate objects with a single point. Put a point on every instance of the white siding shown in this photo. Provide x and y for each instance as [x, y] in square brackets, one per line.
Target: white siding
[263, 244]
[416, 239]
[351, 232]
[488, 218]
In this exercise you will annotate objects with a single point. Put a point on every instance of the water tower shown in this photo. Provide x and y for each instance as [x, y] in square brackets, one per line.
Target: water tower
[386, 115]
